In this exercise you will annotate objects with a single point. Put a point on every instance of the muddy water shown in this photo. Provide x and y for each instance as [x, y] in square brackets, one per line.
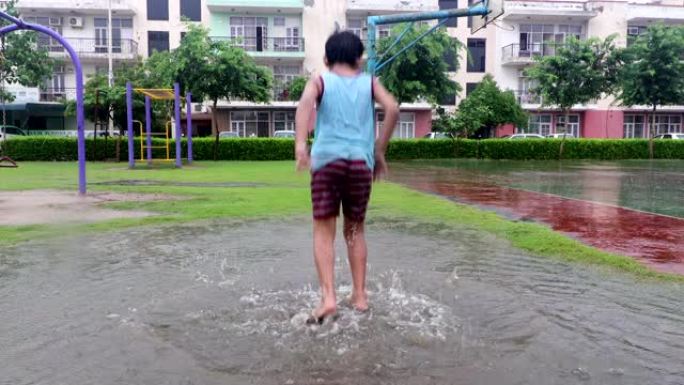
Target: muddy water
[226, 304]
[631, 208]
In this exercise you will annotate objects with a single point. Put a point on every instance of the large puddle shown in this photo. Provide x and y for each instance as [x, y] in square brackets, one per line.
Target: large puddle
[632, 208]
[225, 303]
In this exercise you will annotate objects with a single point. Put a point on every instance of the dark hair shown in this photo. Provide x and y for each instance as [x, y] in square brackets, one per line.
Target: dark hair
[344, 48]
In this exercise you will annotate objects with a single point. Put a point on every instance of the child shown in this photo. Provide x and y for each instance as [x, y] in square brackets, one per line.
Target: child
[344, 160]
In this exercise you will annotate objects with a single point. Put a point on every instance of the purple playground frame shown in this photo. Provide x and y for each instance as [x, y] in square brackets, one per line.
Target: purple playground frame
[78, 72]
[148, 125]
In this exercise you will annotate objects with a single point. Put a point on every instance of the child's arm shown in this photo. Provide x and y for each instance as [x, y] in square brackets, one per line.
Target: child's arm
[305, 110]
[391, 109]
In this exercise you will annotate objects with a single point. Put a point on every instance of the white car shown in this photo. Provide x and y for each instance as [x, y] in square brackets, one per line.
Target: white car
[525, 136]
[10, 131]
[566, 135]
[671, 135]
[228, 134]
[284, 134]
[437, 135]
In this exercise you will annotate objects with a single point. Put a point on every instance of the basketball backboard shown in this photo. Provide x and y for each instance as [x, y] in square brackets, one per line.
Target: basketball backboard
[496, 9]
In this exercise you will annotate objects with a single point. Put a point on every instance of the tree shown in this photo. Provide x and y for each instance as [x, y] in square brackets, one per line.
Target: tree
[486, 108]
[217, 70]
[445, 122]
[20, 62]
[295, 88]
[580, 71]
[653, 73]
[421, 71]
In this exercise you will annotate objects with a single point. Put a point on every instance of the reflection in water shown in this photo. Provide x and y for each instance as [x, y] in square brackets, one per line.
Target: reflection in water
[587, 212]
[227, 306]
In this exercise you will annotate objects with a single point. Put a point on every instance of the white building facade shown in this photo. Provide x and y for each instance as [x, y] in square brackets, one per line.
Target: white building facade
[288, 36]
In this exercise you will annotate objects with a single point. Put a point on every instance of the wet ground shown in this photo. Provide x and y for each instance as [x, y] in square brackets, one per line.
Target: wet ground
[226, 303]
[633, 208]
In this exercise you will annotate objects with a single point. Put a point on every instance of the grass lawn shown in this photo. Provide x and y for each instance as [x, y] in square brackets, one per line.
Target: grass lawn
[277, 191]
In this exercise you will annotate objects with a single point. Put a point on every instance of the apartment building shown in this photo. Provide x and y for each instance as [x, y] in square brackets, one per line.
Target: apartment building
[531, 29]
[288, 36]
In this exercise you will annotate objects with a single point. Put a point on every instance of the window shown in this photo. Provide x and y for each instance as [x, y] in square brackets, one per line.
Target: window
[356, 26]
[633, 32]
[250, 123]
[251, 33]
[665, 124]
[53, 89]
[450, 58]
[121, 29]
[573, 126]
[192, 9]
[279, 21]
[538, 124]
[470, 18]
[449, 4]
[45, 41]
[282, 75]
[543, 39]
[157, 41]
[283, 120]
[477, 55]
[157, 9]
[470, 87]
[406, 125]
[448, 100]
[384, 31]
[634, 126]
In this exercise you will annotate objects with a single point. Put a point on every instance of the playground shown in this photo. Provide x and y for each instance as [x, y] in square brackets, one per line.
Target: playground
[194, 289]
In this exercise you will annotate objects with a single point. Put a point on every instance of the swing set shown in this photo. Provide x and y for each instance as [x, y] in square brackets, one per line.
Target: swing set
[17, 24]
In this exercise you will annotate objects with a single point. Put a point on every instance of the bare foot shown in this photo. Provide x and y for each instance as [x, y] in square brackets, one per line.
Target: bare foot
[323, 311]
[358, 302]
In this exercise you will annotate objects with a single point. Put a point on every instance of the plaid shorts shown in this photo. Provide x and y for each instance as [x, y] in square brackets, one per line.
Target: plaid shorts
[346, 182]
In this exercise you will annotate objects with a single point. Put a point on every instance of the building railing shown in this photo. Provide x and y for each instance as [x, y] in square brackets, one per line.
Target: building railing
[527, 97]
[527, 52]
[266, 44]
[58, 95]
[84, 46]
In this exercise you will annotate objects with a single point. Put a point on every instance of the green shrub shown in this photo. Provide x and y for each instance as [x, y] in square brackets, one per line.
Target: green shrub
[43, 148]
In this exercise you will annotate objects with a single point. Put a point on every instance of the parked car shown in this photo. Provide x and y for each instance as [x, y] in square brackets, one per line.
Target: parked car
[228, 134]
[11, 131]
[566, 135]
[284, 134]
[525, 136]
[437, 135]
[671, 135]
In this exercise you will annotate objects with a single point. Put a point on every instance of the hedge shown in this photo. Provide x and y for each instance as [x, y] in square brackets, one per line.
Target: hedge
[42, 148]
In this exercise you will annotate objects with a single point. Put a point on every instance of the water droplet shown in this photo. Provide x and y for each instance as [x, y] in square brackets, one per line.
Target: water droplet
[582, 374]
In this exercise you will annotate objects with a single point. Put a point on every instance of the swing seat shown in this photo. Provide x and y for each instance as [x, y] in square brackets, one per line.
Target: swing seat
[7, 162]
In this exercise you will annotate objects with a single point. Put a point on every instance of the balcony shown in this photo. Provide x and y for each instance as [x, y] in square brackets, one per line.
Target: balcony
[524, 54]
[271, 47]
[548, 10]
[120, 7]
[383, 6]
[527, 98]
[271, 6]
[57, 95]
[122, 49]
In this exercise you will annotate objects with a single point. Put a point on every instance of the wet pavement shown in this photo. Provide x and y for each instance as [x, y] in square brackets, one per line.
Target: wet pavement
[226, 303]
[633, 208]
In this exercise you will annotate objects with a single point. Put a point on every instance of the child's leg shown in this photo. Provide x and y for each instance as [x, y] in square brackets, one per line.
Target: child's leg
[354, 235]
[324, 255]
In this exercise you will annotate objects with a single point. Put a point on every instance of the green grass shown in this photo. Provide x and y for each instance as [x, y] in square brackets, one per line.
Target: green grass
[282, 193]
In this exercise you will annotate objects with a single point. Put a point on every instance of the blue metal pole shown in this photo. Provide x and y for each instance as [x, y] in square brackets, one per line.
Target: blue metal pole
[372, 54]
[148, 128]
[176, 92]
[188, 123]
[129, 124]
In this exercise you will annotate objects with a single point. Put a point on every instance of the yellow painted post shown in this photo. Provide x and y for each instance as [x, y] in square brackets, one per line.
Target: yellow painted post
[168, 140]
[142, 136]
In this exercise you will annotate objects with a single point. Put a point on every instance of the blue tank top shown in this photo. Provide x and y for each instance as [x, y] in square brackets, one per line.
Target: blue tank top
[344, 121]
